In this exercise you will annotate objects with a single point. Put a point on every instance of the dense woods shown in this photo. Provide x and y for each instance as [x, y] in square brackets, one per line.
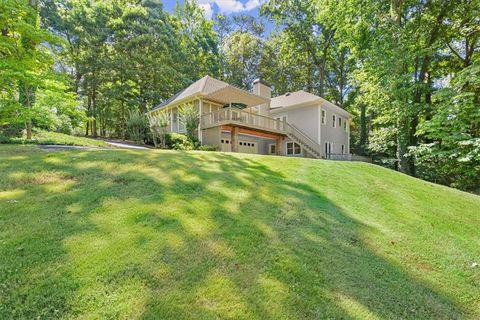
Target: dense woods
[409, 71]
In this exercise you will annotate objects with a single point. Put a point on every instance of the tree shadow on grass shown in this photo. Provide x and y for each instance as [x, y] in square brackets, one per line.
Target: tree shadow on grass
[193, 235]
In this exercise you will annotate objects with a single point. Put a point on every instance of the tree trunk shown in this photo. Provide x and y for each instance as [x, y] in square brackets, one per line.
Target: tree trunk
[362, 144]
[94, 112]
[403, 139]
[27, 91]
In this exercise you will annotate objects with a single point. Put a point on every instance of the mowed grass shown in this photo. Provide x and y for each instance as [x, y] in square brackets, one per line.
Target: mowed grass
[122, 234]
[55, 138]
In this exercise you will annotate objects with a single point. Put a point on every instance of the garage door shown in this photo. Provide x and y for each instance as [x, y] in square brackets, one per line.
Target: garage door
[243, 146]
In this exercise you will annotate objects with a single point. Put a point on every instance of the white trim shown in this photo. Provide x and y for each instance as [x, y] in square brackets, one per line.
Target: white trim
[269, 148]
[293, 154]
[319, 133]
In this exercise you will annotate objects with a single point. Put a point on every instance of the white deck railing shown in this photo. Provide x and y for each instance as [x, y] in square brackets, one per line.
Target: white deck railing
[243, 118]
[232, 115]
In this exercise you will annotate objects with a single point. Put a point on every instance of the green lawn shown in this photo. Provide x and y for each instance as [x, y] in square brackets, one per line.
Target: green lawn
[46, 137]
[191, 235]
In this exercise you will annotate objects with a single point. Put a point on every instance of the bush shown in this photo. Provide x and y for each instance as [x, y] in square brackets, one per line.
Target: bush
[178, 141]
[208, 147]
[137, 126]
[12, 130]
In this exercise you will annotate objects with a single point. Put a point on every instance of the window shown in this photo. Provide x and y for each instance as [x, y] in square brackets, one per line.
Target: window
[253, 144]
[345, 126]
[241, 143]
[223, 141]
[324, 117]
[334, 121]
[272, 149]
[339, 122]
[343, 149]
[293, 148]
[328, 149]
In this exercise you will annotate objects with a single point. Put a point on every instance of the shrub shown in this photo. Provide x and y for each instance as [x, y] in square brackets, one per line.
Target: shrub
[178, 141]
[158, 127]
[137, 125]
[208, 147]
[190, 118]
[12, 130]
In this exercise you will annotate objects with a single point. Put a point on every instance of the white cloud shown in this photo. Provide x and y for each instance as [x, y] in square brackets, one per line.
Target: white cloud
[207, 10]
[228, 6]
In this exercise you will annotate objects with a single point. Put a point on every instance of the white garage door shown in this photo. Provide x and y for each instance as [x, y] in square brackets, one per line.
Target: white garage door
[243, 146]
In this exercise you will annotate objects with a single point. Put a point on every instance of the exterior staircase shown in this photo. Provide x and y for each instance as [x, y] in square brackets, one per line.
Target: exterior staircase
[227, 116]
[303, 140]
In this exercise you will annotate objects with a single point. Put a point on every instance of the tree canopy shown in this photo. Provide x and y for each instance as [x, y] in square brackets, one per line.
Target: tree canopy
[407, 70]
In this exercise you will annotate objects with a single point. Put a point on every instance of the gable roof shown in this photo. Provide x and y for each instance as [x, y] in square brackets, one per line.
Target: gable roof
[214, 89]
[205, 85]
[301, 98]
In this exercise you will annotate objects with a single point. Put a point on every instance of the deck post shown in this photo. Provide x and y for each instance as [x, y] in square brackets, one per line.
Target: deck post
[234, 139]
[279, 146]
[199, 129]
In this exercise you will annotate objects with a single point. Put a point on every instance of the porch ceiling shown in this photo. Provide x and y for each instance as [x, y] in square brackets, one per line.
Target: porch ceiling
[235, 95]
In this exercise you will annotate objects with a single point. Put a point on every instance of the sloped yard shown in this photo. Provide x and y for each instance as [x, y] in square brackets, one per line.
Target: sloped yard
[193, 235]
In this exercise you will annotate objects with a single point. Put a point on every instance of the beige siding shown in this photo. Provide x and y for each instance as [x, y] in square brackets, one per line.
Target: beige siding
[306, 119]
[336, 136]
[211, 136]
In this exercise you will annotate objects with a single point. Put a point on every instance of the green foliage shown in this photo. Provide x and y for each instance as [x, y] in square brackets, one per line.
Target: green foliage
[190, 118]
[207, 147]
[137, 125]
[242, 56]
[158, 127]
[26, 62]
[46, 137]
[178, 141]
[454, 156]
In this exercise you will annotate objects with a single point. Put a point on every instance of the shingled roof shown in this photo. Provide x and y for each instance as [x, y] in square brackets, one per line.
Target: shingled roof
[203, 86]
[301, 97]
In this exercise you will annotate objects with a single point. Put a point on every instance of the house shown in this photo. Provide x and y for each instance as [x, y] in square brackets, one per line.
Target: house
[294, 124]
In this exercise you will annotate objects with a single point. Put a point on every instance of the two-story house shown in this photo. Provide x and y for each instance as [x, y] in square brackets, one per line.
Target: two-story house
[235, 120]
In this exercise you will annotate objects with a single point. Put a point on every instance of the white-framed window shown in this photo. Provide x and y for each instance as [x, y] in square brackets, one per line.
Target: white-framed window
[339, 122]
[272, 148]
[293, 149]
[334, 118]
[324, 116]
[345, 126]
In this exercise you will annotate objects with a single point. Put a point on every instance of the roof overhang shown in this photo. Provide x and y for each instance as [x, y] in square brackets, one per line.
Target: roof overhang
[231, 94]
[319, 101]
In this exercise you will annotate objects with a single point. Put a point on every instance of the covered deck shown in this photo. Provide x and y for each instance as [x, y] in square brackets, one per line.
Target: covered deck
[238, 121]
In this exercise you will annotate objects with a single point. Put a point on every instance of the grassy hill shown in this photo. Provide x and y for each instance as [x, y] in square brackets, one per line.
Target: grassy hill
[46, 137]
[174, 235]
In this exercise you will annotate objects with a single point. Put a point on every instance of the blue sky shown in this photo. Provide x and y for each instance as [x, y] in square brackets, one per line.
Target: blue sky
[227, 7]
